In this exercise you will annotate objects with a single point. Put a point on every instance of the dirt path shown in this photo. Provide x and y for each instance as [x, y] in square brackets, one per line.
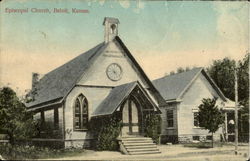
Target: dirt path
[173, 153]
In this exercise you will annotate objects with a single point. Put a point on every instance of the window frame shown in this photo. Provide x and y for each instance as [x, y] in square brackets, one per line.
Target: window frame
[196, 138]
[195, 119]
[170, 118]
[82, 116]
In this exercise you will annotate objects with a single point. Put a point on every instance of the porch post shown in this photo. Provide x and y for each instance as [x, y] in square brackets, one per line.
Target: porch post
[226, 126]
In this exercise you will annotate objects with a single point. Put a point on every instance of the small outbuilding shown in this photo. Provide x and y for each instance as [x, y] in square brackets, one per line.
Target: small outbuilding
[183, 93]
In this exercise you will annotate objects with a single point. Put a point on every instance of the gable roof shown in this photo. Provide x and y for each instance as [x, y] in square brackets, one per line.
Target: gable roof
[116, 97]
[58, 83]
[172, 87]
[154, 90]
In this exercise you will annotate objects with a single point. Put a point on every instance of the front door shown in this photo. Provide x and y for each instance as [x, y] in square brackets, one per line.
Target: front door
[130, 117]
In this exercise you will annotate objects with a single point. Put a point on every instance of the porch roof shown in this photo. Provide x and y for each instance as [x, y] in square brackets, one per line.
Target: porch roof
[229, 105]
[115, 98]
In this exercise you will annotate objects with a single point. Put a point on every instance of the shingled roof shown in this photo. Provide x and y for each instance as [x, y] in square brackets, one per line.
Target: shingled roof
[57, 83]
[116, 97]
[173, 86]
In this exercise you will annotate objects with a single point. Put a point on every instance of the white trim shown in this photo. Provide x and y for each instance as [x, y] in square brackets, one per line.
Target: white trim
[189, 84]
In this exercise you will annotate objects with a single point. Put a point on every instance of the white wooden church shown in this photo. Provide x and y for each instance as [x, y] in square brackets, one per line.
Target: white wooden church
[102, 81]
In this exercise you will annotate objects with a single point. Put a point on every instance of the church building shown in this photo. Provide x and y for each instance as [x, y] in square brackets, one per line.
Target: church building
[102, 81]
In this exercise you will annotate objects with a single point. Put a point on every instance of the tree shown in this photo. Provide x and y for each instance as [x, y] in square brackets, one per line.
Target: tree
[209, 116]
[222, 72]
[243, 80]
[14, 119]
[180, 70]
[172, 73]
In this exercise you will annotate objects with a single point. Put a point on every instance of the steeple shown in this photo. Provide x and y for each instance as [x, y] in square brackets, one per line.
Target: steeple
[110, 28]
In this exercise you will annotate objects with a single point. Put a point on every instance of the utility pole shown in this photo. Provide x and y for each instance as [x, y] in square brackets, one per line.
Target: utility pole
[236, 108]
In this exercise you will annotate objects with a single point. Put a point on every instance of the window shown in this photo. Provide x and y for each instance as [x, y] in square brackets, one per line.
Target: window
[196, 121]
[196, 138]
[209, 137]
[81, 113]
[170, 118]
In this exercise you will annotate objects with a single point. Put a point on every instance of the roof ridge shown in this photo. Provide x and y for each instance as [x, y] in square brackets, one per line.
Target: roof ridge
[171, 87]
[191, 82]
[176, 74]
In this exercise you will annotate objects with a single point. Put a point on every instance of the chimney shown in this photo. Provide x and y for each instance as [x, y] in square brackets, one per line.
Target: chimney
[110, 28]
[35, 79]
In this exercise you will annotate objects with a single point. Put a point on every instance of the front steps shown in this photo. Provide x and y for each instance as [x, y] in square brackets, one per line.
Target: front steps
[138, 145]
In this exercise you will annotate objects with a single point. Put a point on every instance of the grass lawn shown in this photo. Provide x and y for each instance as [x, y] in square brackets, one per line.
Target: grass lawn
[16, 152]
[203, 145]
[187, 152]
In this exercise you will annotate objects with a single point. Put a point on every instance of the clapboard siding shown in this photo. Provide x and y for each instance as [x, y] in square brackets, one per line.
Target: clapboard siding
[190, 101]
[165, 129]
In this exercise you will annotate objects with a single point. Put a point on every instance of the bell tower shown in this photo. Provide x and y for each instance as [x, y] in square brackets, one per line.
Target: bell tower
[110, 28]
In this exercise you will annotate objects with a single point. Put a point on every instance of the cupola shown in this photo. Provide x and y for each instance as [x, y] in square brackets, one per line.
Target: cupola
[110, 28]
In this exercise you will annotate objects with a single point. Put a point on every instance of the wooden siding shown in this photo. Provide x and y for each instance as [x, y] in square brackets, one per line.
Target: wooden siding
[96, 75]
[95, 86]
[165, 129]
[191, 100]
[94, 96]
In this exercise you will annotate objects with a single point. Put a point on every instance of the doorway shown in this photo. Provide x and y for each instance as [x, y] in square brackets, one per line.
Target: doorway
[130, 117]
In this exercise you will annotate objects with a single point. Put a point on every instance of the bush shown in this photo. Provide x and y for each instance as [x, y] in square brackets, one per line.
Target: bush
[153, 127]
[106, 130]
[15, 120]
[47, 130]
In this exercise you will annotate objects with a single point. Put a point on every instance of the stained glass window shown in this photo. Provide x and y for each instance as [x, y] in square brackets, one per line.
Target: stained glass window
[81, 113]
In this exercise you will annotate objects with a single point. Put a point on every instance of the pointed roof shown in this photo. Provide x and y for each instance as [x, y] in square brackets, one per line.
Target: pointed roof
[116, 97]
[172, 87]
[111, 20]
[56, 85]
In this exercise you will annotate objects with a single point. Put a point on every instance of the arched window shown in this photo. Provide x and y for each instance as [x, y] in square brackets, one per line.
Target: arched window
[80, 113]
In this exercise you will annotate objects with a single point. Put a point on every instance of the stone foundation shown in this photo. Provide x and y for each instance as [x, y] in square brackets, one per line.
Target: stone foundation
[185, 138]
[200, 138]
[169, 139]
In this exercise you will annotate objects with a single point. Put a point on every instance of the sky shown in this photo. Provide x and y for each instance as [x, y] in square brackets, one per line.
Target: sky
[161, 35]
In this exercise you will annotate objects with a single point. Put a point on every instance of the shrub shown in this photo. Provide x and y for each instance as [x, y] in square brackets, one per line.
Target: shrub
[106, 130]
[153, 127]
[47, 130]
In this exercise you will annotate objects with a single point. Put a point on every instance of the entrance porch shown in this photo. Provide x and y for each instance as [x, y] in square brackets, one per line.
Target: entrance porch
[134, 110]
